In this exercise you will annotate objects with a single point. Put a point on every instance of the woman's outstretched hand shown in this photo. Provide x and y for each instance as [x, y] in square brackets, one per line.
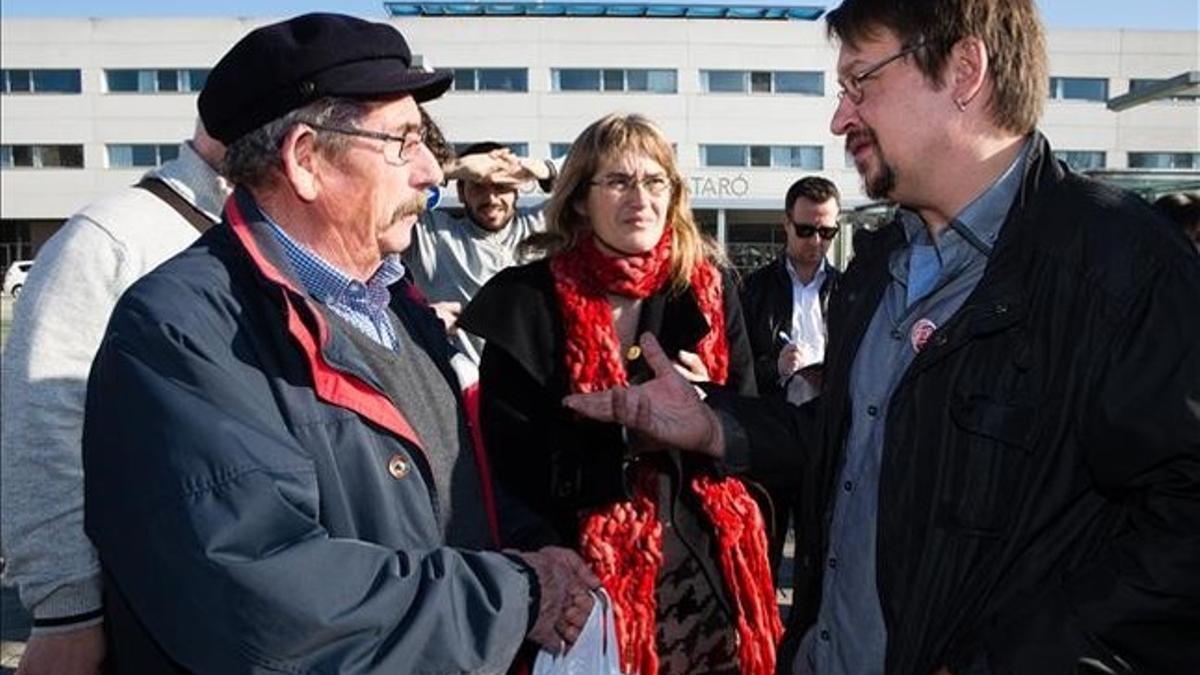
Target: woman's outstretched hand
[666, 409]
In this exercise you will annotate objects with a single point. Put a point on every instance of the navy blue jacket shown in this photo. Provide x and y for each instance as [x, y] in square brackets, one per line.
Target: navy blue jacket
[258, 504]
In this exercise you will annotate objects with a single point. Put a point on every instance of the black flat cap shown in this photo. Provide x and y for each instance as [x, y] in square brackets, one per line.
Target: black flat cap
[278, 68]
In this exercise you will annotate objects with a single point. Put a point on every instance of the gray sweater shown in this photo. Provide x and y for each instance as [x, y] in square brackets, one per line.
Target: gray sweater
[452, 258]
[57, 326]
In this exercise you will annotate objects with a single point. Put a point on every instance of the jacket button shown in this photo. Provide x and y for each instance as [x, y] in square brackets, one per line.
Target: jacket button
[398, 466]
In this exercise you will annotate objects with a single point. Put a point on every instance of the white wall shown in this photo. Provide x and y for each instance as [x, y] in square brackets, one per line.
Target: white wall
[542, 117]
[1121, 55]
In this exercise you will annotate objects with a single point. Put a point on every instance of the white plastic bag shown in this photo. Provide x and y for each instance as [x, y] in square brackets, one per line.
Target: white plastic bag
[595, 652]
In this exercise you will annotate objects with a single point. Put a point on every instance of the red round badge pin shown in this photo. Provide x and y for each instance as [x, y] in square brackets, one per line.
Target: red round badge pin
[919, 335]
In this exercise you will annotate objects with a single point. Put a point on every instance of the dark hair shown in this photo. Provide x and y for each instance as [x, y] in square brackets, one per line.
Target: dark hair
[481, 148]
[813, 188]
[1010, 29]
[435, 140]
[1181, 208]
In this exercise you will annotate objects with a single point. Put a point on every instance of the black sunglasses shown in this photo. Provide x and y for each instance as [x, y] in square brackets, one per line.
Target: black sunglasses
[804, 230]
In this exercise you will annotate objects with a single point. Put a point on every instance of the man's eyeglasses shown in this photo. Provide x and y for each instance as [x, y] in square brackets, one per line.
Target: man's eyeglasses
[619, 183]
[852, 86]
[397, 150]
[804, 230]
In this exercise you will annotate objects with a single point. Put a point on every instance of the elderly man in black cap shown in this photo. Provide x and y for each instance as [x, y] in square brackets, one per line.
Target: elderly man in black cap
[280, 474]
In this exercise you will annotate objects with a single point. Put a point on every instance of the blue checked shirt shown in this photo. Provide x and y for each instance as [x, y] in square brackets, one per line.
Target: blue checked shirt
[364, 305]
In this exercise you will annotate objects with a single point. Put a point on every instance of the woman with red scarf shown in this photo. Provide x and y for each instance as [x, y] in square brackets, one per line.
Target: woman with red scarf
[679, 545]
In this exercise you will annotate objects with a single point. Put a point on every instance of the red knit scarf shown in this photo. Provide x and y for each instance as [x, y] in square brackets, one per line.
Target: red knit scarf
[623, 541]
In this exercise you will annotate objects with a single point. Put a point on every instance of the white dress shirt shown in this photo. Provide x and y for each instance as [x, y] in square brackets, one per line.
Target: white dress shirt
[808, 321]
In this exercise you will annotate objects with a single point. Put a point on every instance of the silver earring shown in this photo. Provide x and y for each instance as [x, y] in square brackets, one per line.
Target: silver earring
[962, 105]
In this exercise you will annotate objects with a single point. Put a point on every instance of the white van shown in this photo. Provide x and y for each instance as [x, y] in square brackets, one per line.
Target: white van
[14, 278]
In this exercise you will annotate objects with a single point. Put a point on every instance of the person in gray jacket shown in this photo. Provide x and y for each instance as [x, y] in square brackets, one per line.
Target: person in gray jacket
[81, 272]
[452, 257]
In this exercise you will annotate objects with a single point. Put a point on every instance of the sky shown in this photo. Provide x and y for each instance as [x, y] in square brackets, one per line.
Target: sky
[1139, 14]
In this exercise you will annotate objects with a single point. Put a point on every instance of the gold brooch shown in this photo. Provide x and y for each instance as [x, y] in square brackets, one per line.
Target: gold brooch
[633, 353]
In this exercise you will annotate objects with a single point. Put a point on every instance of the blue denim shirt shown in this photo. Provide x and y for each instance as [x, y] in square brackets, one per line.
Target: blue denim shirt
[364, 305]
[930, 281]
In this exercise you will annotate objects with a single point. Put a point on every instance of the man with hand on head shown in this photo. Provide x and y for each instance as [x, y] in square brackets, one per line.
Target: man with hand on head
[1004, 474]
[280, 472]
[451, 258]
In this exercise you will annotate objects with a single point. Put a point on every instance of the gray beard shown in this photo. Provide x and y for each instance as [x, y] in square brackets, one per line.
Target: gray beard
[413, 207]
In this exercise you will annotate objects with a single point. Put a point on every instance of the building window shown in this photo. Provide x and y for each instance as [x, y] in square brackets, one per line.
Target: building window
[196, 78]
[774, 156]
[723, 155]
[1082, 160]
[41, 156]
[575, 79]
[559, 150]
[1139, 84]
[1164, 160]
[657, 81]
[491, 79]
[1079, 88]
[652, 80]
[733, 81]
[763, 82]
[799, 82]
[133, 81]
[518, 149]
[40, 81]
[123, 156]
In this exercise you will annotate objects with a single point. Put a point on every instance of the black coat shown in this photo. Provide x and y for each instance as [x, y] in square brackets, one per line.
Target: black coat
[543, 453]
[1039, 498]
[767, 302]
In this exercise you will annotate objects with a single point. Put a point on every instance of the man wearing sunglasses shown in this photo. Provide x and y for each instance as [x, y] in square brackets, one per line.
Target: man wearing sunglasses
[452, 257]
[785, 300]
[1003, 469]
[784, 303]
[280, 471]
